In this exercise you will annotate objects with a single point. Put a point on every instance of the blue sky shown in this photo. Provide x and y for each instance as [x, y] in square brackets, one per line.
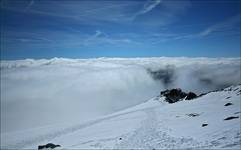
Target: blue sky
[119, 28]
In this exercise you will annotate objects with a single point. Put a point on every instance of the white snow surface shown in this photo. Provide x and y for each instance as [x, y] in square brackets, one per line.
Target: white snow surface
[152, 124]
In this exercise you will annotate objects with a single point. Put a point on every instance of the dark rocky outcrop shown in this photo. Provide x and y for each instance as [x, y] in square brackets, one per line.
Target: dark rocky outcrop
[193, 115]
[230, 118]
[175, 95]
[238, 112]
[227, 104]
[190, 96]
[204, 125]
[49, 145]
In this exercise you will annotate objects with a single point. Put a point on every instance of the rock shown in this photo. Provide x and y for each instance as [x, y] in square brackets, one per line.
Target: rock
[49, 145]
[193, 115]
[227, 104]
[238, 112]
[175, 95]
[230, 118]
[190, 96]
[205, 124]
[202, 94]
[163, 93]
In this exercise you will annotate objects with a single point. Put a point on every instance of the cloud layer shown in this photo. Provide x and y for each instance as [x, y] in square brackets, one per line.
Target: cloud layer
[41, 92]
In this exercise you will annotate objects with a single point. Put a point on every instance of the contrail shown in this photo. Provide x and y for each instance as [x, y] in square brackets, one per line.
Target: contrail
[29, 5]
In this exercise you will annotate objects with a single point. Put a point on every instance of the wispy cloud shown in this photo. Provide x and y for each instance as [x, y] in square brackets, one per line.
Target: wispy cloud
[78, 11]
[148, 6]
[101, 37]
[230, 26]
[95, 12]
[99, 34]
[160, 12]
[226, 25]
[31, 3]
[33, 40]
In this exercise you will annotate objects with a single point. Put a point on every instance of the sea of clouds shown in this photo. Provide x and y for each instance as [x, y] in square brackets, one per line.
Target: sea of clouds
[42, 92]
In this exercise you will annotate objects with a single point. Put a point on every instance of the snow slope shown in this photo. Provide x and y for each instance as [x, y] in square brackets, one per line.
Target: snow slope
[153, 124]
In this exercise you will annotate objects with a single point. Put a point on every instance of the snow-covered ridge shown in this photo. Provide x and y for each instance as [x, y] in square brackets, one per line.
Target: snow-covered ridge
[151, 125]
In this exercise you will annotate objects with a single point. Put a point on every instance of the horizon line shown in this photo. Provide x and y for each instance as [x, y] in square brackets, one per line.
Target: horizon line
[109, 57]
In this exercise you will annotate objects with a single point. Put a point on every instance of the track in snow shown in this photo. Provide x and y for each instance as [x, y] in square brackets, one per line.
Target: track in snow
[149, 136]
[50, 136]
